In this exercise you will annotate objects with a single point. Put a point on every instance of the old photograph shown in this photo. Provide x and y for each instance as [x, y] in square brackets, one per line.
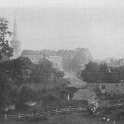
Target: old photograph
[61, 62]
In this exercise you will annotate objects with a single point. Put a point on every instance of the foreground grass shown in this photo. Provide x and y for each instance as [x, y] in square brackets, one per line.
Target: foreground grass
[73, 118]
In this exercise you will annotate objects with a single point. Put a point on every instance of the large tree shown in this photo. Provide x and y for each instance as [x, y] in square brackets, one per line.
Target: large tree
[5, 37]
[13, 75]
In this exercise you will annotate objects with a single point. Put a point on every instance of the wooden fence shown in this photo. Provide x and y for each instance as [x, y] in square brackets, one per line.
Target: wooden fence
[42, 114]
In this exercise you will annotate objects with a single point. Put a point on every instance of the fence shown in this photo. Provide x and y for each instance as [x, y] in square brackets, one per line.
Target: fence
[41, 114]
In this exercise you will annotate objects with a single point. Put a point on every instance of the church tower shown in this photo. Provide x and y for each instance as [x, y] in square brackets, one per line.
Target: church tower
[15, 42]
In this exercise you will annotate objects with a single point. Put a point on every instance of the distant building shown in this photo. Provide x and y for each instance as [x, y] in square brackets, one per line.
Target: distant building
[57, 62]
[61, 59]
[34, 56]
[37, 56]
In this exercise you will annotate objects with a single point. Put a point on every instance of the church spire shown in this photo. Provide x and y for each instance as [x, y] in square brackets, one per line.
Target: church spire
[15, 41]
[14, 30]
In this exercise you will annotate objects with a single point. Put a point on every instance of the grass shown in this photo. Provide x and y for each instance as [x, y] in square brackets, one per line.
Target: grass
[74, 118]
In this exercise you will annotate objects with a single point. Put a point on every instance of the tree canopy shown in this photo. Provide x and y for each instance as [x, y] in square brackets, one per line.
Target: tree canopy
[5, 50]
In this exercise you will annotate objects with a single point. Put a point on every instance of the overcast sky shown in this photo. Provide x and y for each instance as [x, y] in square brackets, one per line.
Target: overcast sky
[56, 24]
[68, 3]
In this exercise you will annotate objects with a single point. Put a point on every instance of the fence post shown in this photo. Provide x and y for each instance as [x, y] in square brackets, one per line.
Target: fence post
[114, 122]
[5, 116]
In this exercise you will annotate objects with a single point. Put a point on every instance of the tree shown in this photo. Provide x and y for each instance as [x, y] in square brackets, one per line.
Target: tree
[42, 71]
[18, 70]
[13, 74]
[7, 91]
[92, 67]
[22, 69]
[5, 50]
[91, 72]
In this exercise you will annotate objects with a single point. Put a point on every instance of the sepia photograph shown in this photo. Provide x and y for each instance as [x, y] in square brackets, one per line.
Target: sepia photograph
[61, 62]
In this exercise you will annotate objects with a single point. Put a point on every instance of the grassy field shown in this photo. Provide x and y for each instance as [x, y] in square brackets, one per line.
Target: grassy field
[74, 118]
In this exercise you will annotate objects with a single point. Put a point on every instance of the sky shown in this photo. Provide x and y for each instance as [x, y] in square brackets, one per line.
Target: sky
[68, 24]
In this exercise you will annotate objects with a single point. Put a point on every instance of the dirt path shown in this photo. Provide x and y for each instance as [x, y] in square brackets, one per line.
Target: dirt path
[75, 82]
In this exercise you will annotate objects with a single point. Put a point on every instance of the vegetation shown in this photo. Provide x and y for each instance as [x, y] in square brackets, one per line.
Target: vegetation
[16, 75]
[5, 53]
[5, 34]
[98, 73]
